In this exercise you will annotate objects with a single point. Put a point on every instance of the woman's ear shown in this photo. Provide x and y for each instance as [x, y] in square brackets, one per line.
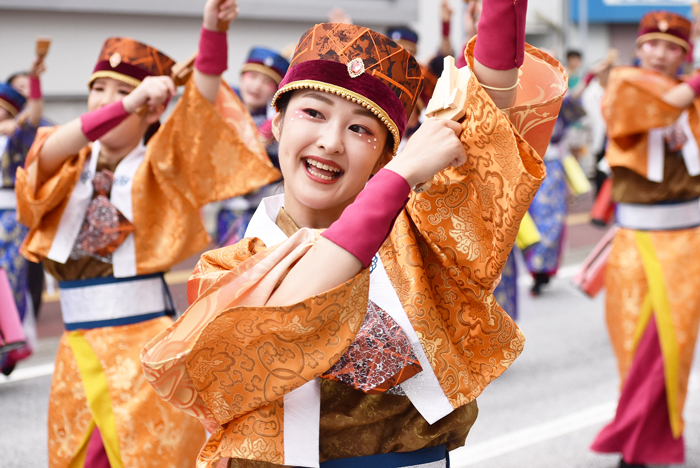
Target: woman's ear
[277, 126]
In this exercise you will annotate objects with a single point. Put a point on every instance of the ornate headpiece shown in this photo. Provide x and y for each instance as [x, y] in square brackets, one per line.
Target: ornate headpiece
[268, 62]
[10, 99]
[130, 61]
[360, 65]
[665, 25]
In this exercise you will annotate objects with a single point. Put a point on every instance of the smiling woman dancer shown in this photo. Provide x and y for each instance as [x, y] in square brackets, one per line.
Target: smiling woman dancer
[653, 274]
[109, 218]
[391, 304]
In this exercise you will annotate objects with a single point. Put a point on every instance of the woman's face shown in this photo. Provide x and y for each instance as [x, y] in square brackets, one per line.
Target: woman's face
[328, 149]
[257, 90]
[661, 56]
[105, 91]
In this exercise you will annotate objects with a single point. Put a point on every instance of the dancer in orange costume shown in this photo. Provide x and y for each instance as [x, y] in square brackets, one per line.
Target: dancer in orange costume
[652, 275]
[110, 217]
[391, 305]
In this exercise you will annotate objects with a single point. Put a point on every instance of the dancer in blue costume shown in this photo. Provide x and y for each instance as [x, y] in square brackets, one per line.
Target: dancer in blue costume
[260, 78]
[550, 206]
[17, 133]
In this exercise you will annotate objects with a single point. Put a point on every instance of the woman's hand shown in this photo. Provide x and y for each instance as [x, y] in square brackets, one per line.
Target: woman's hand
[219, 13]
[433, 147]
[8, 127]
[152, 92]
[38, 68]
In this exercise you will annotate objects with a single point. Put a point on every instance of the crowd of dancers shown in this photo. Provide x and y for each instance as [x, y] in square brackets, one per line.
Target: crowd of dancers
[352, 315]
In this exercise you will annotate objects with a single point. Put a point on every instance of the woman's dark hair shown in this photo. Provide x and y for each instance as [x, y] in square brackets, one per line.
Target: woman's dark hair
[16, 75]
[151, 131]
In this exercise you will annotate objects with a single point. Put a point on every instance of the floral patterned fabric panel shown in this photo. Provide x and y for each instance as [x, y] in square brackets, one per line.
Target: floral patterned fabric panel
[379, 358]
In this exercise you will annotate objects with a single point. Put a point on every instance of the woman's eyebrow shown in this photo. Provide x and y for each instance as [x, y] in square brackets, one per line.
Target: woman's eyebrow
[363, 112]
[319, 97]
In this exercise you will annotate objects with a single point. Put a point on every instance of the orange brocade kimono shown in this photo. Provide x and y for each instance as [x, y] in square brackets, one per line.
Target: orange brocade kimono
[235, 363]
[202, 153]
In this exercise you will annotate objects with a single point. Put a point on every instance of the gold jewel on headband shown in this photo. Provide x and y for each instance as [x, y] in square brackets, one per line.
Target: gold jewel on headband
[115, 60]
[356, 67]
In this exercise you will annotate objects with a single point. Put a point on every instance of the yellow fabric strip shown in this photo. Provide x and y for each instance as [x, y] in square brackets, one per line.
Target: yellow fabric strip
[528, 234]
[79, 460]
[647, 312]
[97, 393]
[664, 323]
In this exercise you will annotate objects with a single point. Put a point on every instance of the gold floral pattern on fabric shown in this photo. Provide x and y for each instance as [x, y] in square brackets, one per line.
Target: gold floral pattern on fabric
[379, 358]
[443, 256]
[229, 360]
[628, 123]
[626, 286]
[543, 83]
[451, 243]
[145, 424]
[201, 154]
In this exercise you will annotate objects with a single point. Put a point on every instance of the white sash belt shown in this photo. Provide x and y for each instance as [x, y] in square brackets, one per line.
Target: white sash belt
[110, 301]
[662, 217]
[8, 199]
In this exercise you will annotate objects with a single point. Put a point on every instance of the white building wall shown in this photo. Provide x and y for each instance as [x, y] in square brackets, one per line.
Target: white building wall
[78, 28]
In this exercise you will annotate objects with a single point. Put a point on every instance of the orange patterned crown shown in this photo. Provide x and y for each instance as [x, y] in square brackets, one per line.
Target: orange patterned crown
[665, 25]
[361, 65]
[130, 61]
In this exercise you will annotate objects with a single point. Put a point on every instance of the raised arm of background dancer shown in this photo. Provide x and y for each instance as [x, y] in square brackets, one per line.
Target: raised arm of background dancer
[212, 59]
[35, 103]
[149, 99]
[500, 49]
[351, 242]
[446, 20]
[683, 94]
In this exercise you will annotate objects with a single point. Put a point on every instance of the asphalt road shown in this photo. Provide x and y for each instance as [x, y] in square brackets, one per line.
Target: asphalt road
[542, 413]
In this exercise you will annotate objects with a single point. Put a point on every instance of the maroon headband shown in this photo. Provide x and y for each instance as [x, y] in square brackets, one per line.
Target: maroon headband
[123, 68]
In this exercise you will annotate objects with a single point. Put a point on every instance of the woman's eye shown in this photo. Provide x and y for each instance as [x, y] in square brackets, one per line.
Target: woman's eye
[123, 92]
[360, 129]
[313, 113]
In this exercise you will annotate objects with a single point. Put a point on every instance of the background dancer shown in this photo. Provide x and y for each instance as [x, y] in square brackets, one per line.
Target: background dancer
[110, 217]
[17, 133]
[260, 78]
[653, 275]
[343, 108]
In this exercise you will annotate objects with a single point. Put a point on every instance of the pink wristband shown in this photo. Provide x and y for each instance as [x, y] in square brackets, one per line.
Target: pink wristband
[98, 122]
[34, 88]
[213, 52]
[694, 82]
[500, 42]
[366, 222]
[445, 29]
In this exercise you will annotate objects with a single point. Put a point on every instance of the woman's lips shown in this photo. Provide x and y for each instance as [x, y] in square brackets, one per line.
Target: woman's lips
[322, 170]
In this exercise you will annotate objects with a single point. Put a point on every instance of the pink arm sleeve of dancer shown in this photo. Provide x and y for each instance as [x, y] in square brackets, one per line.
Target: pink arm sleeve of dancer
[34, 87]
[694, 83]
[213, 52]
[500, 43]
[365, 224]
[98, 122]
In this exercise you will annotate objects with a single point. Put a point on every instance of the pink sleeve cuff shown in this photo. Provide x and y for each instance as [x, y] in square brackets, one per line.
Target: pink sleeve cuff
[366, 222]
[500, 42]
[694, 83]
[34, 88]
[100, 121]
[213, 52]
[445, 29]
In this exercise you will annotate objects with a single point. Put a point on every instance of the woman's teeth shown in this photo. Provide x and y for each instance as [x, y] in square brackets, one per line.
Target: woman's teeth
[311, 163]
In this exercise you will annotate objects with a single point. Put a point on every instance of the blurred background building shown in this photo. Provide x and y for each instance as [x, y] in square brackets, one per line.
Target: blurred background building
[78, 28]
